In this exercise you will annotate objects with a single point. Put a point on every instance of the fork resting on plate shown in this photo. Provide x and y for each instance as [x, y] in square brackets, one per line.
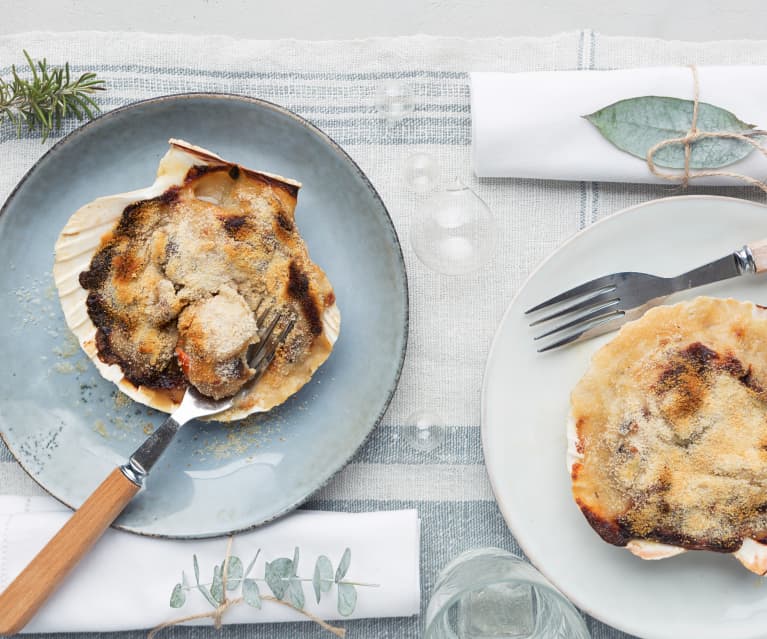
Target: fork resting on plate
[27, 593]
[605, 303]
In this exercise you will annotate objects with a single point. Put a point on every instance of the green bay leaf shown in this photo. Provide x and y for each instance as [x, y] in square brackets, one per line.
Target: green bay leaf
[635, 125]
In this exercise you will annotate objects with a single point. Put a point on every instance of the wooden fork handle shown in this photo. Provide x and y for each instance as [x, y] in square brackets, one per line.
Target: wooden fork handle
[27, 593]
[759, 253]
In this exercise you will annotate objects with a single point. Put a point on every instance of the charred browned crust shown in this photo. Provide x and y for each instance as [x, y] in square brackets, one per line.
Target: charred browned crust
[611, 531]
[683, 460]
[620, 532]
[268, 259]
[299, 290]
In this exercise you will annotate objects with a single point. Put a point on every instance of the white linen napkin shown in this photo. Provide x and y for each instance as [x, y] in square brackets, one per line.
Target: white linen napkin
[126, 581]
[529, 125]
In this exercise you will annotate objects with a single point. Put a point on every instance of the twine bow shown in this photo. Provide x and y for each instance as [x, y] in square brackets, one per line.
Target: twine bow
[692, 136]
[218, 614]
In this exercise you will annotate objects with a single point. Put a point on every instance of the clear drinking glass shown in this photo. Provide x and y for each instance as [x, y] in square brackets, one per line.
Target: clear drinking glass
[493, 594]
[454, 232]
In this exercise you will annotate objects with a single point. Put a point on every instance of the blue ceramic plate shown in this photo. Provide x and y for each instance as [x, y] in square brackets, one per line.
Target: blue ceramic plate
[68, 427]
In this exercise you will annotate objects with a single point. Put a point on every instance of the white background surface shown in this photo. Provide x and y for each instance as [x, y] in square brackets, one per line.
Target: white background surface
[331, 19]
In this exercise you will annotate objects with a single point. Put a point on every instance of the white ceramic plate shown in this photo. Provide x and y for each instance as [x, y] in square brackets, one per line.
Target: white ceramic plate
[697, 595]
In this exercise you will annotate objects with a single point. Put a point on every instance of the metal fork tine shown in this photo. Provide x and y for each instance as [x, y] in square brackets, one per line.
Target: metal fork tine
[268, 354]
[596, 286]
[604, 325]
[569, 339]
[264, 342]
[603, 300]
[582, 320]
[265, 349]
[286, 331]
[261, 319]
[254, 350]
[267, 332]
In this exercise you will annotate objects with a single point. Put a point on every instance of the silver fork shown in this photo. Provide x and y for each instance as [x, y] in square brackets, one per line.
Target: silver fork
[21, 600]
[605, 303]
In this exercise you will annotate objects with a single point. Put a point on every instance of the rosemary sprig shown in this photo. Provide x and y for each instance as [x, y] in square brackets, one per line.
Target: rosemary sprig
[51, 95]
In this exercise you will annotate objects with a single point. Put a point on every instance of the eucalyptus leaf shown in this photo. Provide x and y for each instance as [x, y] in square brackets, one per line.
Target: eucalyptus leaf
[217, 586]
[252, 563]
[234, 573]
[637, 124]
[295, 561]
[277, 575]
[343, 565]
[206, 593]
[201, 588]
[295, 594]
[196, 569]
[177, 597]
[322, 580]
[317, 584]
[250, 593]
[347, 599]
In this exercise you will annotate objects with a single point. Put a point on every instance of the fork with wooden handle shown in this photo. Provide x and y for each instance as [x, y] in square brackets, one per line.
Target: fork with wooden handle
[27, 593]
[605, 303]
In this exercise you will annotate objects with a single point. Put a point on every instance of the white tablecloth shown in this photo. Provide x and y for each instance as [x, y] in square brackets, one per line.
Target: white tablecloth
[452, 319]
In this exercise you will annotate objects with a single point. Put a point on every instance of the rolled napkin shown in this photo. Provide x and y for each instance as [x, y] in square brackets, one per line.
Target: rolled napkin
[530, 125]
[126, 582]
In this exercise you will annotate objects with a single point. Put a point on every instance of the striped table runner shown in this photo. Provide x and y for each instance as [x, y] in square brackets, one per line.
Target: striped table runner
[333, 84]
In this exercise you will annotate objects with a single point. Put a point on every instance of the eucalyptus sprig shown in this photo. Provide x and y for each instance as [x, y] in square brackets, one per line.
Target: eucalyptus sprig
[281, 577]
[51, 95]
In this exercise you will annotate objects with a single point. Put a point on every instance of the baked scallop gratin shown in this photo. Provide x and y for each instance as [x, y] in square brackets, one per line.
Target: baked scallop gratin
[668, 433]
[162, 286]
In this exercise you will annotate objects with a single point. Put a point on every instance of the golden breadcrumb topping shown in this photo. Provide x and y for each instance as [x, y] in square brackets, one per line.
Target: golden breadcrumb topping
[174, 287]
[671, 420]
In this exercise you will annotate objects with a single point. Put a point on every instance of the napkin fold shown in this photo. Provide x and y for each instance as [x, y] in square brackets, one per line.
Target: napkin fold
[529, 125]
[126, 581]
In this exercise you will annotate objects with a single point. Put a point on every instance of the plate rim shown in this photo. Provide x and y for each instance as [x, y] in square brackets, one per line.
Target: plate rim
[399, 258]
[491, 474]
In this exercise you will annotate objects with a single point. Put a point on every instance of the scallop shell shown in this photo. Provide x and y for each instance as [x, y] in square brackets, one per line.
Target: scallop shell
[80, 239]
[751, 554]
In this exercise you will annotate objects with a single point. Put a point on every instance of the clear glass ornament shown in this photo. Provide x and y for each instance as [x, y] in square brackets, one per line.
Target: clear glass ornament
[421, 172]
[454, 232]
[424, 432]
[394, 100]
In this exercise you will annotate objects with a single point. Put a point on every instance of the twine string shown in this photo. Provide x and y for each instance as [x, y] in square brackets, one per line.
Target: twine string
[218, 614]
[694, 135]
